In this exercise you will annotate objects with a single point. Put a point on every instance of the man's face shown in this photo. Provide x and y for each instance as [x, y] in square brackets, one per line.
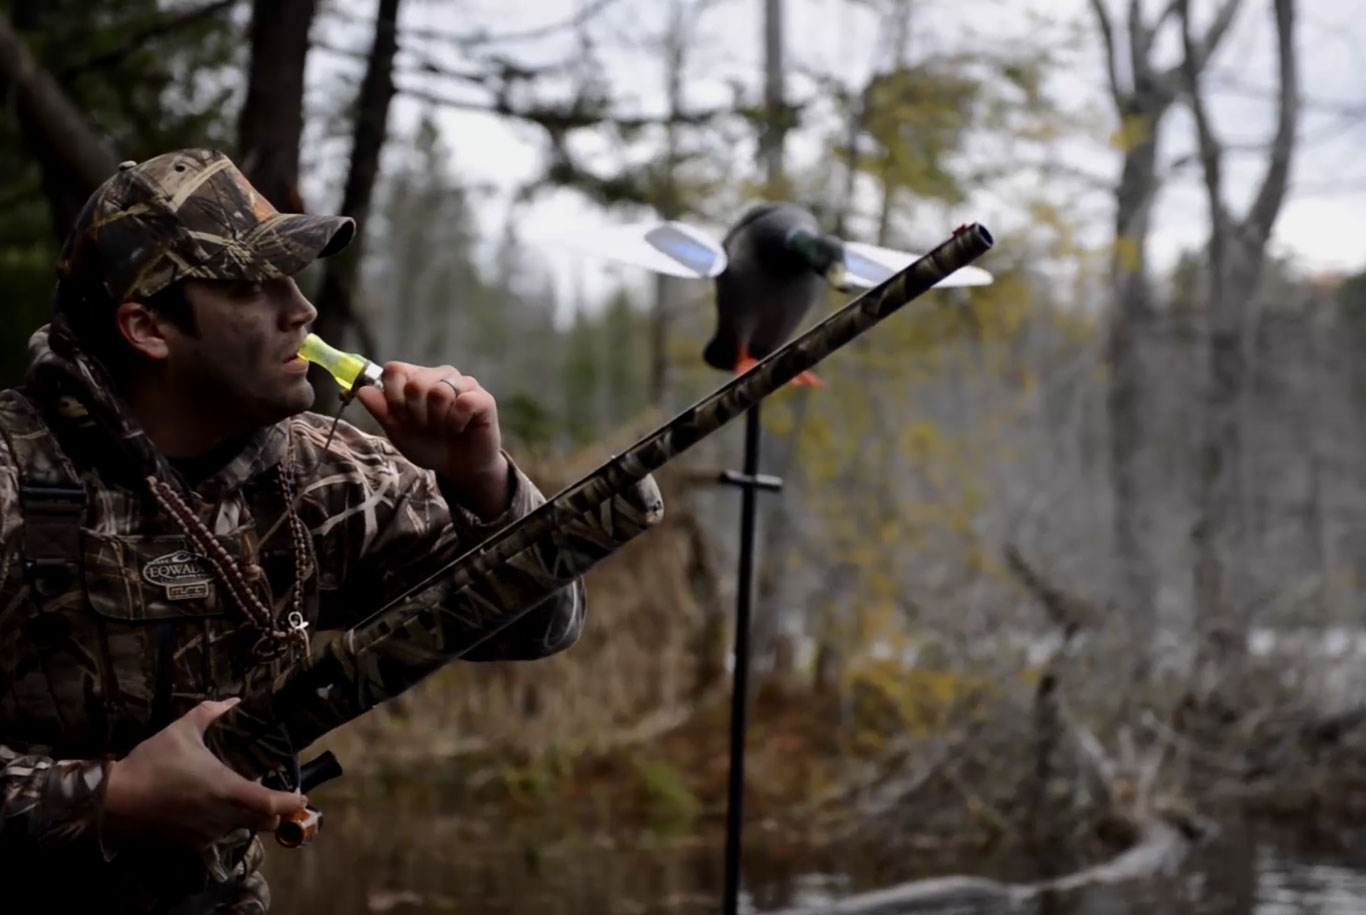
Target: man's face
[242, 361]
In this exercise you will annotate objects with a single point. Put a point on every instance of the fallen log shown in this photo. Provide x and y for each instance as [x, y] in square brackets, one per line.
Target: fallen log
[1162, 847]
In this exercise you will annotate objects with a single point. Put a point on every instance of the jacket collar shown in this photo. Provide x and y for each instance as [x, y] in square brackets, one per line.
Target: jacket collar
[62, 378]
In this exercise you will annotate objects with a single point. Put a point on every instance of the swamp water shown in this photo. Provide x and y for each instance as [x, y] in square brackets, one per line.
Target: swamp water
[374, 858]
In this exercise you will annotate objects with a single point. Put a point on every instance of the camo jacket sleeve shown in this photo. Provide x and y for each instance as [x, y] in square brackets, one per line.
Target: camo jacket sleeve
[50, 802]
[404, 523]
[44, 801]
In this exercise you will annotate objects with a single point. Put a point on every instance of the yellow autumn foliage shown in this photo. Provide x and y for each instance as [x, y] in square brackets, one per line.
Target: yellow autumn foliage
[896, 482]
[894, 700]
[1133, 130]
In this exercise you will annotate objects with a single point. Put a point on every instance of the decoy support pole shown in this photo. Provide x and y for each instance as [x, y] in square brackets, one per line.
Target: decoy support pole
[749, 482]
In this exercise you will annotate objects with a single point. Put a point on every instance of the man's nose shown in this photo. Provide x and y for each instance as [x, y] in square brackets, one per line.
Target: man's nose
[298, 309]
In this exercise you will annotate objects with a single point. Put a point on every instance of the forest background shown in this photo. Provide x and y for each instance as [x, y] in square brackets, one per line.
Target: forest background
[1076, 549]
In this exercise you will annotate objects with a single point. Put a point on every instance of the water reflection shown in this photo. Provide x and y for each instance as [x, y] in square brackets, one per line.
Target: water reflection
[1308, 887]
[428, 861]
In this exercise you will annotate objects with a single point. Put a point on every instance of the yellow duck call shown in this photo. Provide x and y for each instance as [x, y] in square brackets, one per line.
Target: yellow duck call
[350, 370]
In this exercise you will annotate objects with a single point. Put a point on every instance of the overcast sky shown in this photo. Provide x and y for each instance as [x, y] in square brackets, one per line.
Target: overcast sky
[1323, 224]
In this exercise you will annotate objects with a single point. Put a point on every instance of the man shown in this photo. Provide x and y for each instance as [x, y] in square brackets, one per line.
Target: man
[174, 523]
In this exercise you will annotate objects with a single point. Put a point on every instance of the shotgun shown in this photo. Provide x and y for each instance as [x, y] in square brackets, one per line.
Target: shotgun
[493, 584]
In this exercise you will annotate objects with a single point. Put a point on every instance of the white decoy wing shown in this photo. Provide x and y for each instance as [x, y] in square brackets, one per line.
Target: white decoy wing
[672, 248]
[867, 265]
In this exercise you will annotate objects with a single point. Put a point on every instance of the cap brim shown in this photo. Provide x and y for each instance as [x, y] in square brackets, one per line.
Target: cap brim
[287, 243]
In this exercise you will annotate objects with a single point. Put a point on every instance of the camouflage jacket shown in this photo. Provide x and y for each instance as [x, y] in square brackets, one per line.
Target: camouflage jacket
[111, 625]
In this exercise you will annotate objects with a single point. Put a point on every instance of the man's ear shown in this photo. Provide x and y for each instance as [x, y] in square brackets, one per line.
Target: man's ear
[143, 328]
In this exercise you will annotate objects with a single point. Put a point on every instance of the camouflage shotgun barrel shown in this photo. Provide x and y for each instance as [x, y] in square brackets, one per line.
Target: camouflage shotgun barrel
[510, 572]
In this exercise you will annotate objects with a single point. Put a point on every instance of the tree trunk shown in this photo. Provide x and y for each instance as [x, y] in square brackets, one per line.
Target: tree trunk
[1315, 519]
[1237, 250]
[669, 205]
[776, 533]
[898, 26]
[771, 549]
[1141, 106]
[858, 105]
[73, 156]
[271, 124]
[773, 138]
[1131, 325]
[1220, 529]
[335, 299]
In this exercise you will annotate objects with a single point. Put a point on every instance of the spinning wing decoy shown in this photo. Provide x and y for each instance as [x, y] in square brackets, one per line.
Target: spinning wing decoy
[867, 265]
[778, 265]
[671, 248]
[770, 269]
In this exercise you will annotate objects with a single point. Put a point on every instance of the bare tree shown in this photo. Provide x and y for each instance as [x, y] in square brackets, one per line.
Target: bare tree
[272, 120]
[335, 299]
[1142, 105]
[897, 21]
[677, 40]
[774, 135]
[72, 154]
[1237, 255]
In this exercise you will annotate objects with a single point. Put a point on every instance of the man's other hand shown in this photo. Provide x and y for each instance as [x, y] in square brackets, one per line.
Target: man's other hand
[171, 786]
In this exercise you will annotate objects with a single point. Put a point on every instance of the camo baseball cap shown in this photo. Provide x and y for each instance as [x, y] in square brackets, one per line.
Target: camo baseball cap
[189, 213]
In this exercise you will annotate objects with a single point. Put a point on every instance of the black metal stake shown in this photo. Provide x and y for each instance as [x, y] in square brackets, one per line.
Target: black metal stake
[748, 481]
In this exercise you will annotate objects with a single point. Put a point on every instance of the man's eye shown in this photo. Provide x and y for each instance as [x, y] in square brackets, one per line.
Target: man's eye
[247, 290]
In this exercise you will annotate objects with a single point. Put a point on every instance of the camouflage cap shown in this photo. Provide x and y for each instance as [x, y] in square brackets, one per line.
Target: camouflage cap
[189, 213]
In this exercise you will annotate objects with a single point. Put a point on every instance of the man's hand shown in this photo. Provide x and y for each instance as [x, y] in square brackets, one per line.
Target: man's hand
[171, 786]
[444, 421]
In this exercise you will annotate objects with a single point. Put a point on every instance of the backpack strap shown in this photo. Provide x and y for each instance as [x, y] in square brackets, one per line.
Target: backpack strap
[52, 496]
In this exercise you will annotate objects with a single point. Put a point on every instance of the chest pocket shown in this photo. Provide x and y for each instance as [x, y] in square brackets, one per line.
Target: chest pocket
[170, 619]
[172, 634]
[149, 578]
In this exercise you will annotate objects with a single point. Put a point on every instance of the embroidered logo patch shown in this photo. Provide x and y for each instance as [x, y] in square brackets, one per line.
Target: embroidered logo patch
[183, 574]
